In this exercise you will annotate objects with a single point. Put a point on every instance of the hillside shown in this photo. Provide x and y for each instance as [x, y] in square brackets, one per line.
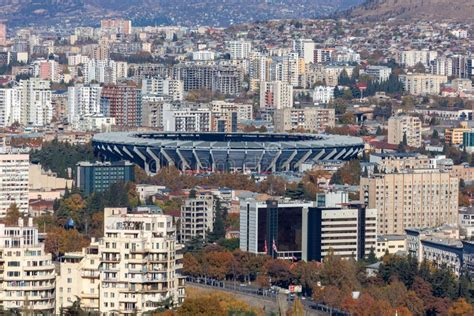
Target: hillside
[182, 12]
[439, 10]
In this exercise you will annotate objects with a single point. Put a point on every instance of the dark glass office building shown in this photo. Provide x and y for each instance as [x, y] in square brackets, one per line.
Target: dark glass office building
[98, 176]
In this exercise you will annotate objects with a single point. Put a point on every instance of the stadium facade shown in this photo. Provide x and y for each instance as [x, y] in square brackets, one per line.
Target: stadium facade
[219, 152]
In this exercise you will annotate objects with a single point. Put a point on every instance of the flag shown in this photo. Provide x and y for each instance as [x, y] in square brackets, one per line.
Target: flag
[274, 246]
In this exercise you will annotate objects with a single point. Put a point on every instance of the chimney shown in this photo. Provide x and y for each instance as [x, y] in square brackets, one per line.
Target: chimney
[30, 221]
[20, 222]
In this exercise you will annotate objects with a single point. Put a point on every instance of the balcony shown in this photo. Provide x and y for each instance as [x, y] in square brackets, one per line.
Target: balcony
[90, 274]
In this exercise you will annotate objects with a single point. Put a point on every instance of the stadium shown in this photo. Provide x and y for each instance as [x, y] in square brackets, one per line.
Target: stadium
[224, 152]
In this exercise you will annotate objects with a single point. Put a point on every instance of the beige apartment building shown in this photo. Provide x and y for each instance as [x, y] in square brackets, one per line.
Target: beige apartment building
[308, 119]
[140, 262]
[197, 217]
[14, 175]
[414, 198]
[79, 278]
[398, 126]
[275, 95]
[27, 272]
[423, 84]
[454, 135]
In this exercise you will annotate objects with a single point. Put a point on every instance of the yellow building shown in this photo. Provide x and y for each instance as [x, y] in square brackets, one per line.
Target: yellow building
[454, 135]
[390, 244]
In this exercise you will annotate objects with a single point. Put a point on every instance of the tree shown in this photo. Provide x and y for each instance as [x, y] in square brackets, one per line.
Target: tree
[203, 306]
[460, 307]
[371, 258]
[12, 215]
[218, 231]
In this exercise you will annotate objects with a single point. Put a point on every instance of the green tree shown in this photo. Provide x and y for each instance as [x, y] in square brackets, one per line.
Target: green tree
[218, 231]
[12, 215]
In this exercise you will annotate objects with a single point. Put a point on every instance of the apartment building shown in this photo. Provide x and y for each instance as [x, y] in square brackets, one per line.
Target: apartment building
[140, 261]
[411, 198]
[99, 176]
[14, 181]
[197, 217]
[124, 103]
[378, 73]
[410, 58]
[239, 49]
[27, 271]
[349, 231]
[159, 87]
[36, 107]
[423, 84]
[404, 126]
[305, 49]
[244, 111]
[311, 119]
[83, 100]
[275, 95]
[454, 135]
[78, 279]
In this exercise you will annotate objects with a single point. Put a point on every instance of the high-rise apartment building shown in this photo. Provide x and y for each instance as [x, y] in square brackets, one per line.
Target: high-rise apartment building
[140, 262]
[409, 58]
[239, 49]
[14, 182]
[3, 34]
[197, 217]
[159, 87]
[124, 103]
[411, 198]
[104, 71]
[36, 108]
[404, 126]
[98, 177]
[78, 279]
[275, 95]
[305, 49]
[119, 26]
[10, 106]
[311, 119]
[27, 271]
[83, 100]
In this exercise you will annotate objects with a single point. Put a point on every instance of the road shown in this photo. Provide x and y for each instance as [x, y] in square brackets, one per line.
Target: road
[267, 296]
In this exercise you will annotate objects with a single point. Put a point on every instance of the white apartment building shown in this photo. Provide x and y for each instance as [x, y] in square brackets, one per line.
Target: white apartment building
[409, 58]
[442, 66]
[204, 55]
[14, 186]
[76, 60]
[378, 73]
[239, 49]
[275, 95]
[404, 125]
[159, 87]
[104, 71]
[285, 69]
[10, 106]
[78, 278]
[323, 94]
[83, 100]
[197, 217]
[27, 272]
[305, 49]
[186, 120]
[423, 84]
[36, 107]
[140, 262]
[311, 119]
[412, 198]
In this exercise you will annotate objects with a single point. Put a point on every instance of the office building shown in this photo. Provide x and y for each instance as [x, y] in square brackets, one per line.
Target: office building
[140, 262]
[197, 217]
[423, 84]
[239, 49]
[404, 126]
[27, 271]
[312, 119]
[349, 231]
[275, 95]
[14, 176]
[272, 227]
[78, 279]
[411, 198]
[98, 177]
[124, 103]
